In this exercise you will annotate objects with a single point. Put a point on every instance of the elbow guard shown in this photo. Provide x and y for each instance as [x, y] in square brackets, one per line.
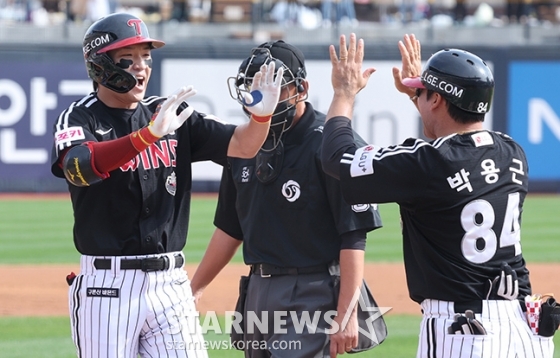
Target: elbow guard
[78, 167]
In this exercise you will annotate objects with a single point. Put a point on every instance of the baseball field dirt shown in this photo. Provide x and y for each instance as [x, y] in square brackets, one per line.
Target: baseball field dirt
[27, 290]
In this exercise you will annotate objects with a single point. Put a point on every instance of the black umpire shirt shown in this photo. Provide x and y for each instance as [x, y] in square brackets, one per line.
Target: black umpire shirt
[297, 219]
[143, 207]
[460, 199]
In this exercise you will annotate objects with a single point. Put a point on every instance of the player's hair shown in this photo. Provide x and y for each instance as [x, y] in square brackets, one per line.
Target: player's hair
[459, 115]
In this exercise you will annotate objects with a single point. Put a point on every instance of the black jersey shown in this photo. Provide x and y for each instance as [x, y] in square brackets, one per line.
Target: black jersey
[143, 207]
[460, 199]
[297, 219]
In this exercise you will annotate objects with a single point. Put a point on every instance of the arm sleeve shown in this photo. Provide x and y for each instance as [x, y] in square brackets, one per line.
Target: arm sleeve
[338, 138]
[354, 240]
[111, 154]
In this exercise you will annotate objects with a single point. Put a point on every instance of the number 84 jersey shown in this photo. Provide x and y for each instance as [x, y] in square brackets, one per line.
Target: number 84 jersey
[460, 200]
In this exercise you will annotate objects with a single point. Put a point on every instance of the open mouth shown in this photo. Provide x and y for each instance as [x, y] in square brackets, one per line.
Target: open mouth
[140, 82]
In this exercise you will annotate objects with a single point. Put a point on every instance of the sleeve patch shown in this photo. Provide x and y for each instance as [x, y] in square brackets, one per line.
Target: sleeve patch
[362, 164]
[68, 135]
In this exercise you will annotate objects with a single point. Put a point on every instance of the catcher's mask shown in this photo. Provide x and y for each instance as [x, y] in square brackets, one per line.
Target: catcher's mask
[109, 33]
[287, 57]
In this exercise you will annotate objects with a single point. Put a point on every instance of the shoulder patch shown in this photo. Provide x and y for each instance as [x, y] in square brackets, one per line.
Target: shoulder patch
[68, 135]
[482, 138]
[362, 164]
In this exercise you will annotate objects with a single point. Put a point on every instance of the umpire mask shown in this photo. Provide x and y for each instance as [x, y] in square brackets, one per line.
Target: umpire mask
[283, 55]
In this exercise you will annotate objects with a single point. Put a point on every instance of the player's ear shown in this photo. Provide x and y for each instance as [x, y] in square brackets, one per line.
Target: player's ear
[302, 95]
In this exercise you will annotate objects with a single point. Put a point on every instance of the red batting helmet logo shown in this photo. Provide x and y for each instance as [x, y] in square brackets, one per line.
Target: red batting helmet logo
[136, 24]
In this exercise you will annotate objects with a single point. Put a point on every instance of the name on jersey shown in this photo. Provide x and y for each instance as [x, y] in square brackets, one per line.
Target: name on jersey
[490, 172]
[362, 164]
[102, 292]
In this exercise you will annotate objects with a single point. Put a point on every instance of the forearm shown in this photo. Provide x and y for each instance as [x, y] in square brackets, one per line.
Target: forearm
[351, 276]
[220, 250]
[248, 139]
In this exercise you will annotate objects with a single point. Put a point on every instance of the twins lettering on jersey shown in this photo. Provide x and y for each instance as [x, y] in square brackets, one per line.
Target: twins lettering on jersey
[159, 153]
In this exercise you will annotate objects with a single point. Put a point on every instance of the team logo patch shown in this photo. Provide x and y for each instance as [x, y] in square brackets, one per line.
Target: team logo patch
[291, 190]
[68, 135]
[482, 138]
[245, 174]
[362, 164]
[102, 292]
[171, 184]
[360, 208]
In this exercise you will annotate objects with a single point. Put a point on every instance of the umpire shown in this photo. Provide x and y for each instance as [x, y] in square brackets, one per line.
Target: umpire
[293, 222]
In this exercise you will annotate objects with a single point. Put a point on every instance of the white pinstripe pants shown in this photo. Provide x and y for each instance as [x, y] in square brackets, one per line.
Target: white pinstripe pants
[154, 314]
[508, 334]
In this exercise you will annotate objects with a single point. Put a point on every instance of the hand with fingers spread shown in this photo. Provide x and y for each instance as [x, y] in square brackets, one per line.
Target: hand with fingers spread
[265, 91]
[347, 76]
[409, 48]
[165, 120]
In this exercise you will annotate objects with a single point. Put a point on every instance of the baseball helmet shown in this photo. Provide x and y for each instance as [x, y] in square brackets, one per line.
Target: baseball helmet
[461, 77]
[283, 55]
[108, 33]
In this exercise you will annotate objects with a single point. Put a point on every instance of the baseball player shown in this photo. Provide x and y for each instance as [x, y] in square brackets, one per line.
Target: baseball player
[460, 195]
[127, 160]
[292, 221]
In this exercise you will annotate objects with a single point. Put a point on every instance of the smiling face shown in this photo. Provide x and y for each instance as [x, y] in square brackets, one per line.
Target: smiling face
[136, 60]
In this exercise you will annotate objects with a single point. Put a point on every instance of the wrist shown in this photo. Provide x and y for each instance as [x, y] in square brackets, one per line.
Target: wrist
[261, 119]
[143, 138]
[151, 131]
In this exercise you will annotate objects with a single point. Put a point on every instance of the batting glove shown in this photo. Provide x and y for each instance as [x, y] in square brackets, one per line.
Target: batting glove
[165, 120]
[505, 285]
[265, 91]
[466, 324]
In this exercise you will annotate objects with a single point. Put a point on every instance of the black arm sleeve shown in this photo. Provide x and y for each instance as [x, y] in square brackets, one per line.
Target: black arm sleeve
[354, 240]
[338, 138]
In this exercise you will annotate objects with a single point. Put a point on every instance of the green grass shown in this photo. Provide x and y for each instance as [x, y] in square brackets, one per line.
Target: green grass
[40, 231]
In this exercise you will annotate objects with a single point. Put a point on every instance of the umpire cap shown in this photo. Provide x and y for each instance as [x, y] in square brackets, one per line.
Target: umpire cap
[461, 77]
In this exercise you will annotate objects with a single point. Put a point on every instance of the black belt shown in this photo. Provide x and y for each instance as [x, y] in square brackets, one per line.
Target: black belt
[148, 264]
[475, 306]
[266, 270]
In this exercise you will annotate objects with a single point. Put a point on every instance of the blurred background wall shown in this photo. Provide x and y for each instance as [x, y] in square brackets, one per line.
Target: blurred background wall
[42, 69]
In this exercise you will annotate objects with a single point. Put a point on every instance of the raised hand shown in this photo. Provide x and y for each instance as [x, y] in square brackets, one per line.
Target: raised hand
[165, 120]
[265, 91]
[347, 76]
[409, 48]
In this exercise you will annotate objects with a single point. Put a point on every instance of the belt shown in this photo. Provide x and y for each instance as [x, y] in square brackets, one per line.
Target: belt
[475, 306]
[265, 270]
[147, 264]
